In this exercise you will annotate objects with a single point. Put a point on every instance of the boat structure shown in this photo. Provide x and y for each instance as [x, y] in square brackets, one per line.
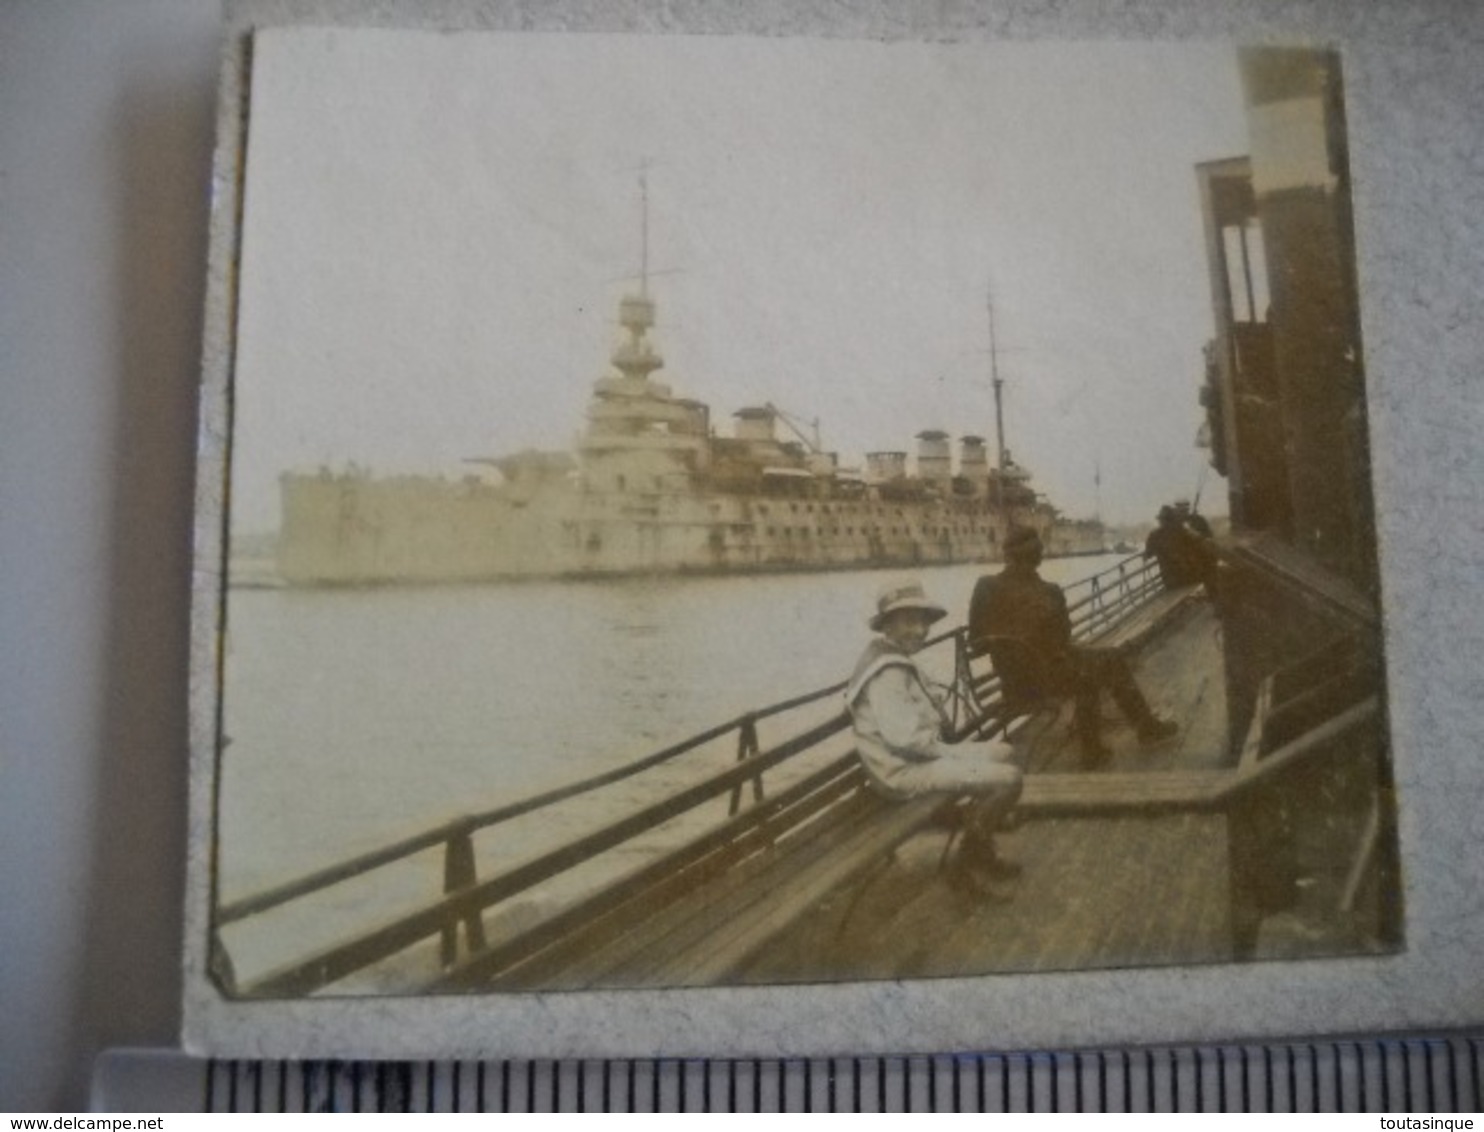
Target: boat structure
[653, 488]
[1265, 830]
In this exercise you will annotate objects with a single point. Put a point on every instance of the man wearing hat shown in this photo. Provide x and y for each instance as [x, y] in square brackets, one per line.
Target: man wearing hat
[1017, 606]
[1176, 548]
[898, 729]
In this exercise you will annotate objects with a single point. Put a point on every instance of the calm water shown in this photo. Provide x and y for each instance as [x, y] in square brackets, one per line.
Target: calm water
[359, 716]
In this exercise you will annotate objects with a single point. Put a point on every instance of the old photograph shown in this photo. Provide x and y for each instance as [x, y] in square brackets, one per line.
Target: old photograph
[725, 511]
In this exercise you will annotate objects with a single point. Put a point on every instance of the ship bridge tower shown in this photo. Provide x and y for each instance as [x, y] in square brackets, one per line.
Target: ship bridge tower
[640, 438]
[636, 358]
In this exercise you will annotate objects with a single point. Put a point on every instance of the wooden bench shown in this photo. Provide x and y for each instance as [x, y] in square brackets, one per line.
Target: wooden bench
[698, 914]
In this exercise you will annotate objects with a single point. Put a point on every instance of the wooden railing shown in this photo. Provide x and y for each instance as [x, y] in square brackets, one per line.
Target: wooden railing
[462, 828]
[466, 897]
[1096, 604]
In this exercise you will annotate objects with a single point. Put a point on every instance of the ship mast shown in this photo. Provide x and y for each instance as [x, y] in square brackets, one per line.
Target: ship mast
[644, 228]
[998, 383]
[636, 358]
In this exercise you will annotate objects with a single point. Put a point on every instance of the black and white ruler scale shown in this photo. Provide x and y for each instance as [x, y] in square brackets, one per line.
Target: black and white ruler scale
[1402, 1074]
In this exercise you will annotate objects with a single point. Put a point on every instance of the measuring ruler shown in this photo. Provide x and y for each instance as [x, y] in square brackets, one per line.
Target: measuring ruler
[1439, 1073]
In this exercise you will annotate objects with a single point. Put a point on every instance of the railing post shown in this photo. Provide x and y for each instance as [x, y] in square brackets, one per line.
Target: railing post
[459, 873]
[747, 746]
[219, 966]
[963, 679]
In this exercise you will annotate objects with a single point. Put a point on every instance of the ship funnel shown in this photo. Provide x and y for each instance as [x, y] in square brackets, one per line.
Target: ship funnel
[973, 460]
[882, 467]
[755, 424]
[933, 460]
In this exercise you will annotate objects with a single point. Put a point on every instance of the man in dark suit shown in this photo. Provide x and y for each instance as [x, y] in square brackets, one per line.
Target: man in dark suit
[1023, 622]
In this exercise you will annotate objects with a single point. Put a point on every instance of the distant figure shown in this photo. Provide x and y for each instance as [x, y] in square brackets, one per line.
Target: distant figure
[1023, 622]
[898, 729]
[1193, 520]
[1177, 549]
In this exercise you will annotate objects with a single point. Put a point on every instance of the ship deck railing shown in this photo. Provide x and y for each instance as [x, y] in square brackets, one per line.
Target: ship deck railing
[827, 805]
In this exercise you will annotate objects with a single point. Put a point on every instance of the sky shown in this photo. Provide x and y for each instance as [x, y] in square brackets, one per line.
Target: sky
[438, 227]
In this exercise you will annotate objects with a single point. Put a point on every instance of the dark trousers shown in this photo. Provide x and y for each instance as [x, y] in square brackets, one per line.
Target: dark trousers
[1092, 671]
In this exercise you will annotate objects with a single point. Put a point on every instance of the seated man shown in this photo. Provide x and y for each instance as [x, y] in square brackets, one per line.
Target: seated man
[1017, 606]
[898, 726]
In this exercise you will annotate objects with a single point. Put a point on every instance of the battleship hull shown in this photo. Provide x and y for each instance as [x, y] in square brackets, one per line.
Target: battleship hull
[350, 530]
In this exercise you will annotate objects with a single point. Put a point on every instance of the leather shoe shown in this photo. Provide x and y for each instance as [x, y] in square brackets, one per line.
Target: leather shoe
[998, 868]
[1095, 757]
[1158, 731]
[973, 879]
[980, 852]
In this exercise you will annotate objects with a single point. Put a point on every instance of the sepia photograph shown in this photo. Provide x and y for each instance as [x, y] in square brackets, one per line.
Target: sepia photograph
[721, 511]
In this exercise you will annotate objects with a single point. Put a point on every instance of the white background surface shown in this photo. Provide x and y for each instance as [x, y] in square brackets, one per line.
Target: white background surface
[106, 124]
[105, 139]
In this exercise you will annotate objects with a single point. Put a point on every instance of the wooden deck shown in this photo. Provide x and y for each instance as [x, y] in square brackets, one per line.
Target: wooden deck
[1097, 891]
[1150, 886]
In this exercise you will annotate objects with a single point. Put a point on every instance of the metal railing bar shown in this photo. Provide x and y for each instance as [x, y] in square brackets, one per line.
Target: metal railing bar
[1245, 778]
[334, 874]
[1104, 603]
[1134, 581]
[1109, 616]
[1133, 564]
[481, 966]
[801, 701]
[337, 961]
[607, 778]
[1107, 607]
[1293, 715]
[473, 823]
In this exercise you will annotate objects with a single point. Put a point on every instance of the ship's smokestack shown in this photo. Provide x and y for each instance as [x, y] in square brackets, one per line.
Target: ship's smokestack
[881, 467]
[973, 461]
[934, 463]
[755, 424]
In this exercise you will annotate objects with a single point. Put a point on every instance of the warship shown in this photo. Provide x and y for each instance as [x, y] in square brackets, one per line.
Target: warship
[653, 488]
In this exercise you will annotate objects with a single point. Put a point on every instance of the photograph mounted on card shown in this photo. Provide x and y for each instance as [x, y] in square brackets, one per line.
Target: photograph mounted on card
[726, 512]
